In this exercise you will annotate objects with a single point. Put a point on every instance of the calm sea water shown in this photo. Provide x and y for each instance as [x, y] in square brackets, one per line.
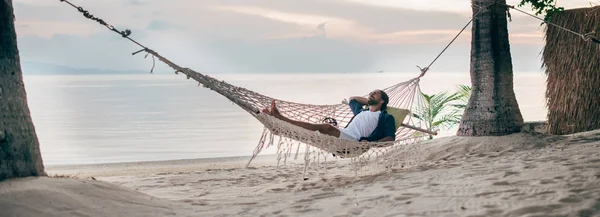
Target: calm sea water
[84, 119]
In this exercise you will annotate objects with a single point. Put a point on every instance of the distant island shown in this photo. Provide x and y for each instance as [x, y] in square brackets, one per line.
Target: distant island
[37, 68]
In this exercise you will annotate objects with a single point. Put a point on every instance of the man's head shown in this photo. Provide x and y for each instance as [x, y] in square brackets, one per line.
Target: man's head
[378, 97]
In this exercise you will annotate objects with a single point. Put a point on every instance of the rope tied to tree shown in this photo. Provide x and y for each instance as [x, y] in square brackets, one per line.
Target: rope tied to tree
[586, 37]
[87, 14]
[125, 34]
[479, 10]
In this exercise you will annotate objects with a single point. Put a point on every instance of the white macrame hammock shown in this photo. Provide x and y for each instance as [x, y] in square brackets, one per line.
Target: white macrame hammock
[405, 98]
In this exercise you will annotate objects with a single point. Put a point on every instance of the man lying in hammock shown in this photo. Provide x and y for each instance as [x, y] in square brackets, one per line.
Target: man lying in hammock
[373, 124]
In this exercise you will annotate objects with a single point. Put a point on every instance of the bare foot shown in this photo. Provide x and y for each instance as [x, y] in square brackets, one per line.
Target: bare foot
[273, 111]
[266, 111]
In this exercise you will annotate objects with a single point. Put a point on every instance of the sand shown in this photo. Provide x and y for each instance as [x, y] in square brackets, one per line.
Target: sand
[525, 174]
[69, 197]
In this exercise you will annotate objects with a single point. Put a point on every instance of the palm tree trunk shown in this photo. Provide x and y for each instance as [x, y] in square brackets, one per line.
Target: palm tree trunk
[19, 146]
[492, 109]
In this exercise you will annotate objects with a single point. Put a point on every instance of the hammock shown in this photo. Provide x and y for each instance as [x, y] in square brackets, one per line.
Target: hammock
[404, 99]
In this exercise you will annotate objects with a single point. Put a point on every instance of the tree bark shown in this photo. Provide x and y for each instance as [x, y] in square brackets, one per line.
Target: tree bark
[492, 109]
[19, 146]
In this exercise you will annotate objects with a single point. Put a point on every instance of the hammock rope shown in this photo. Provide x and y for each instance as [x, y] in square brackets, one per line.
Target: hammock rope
[424, 70]
[586, 37]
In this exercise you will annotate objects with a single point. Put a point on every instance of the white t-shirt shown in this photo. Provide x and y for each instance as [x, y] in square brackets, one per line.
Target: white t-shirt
[363, 124]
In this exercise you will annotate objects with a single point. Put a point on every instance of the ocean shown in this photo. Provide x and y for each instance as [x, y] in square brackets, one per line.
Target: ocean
[89, 119]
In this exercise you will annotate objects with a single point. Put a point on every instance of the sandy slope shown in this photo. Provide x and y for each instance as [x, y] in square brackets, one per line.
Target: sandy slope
[69, 197]
[517, 175]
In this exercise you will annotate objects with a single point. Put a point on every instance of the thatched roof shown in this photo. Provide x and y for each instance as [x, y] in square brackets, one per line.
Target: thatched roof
[573, 68]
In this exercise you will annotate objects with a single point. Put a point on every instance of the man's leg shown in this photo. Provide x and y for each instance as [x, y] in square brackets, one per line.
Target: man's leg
[322, 128]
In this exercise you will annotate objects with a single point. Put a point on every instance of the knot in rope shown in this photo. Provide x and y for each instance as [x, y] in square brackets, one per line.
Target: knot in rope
[482, 8]
[148, 52]
[88, 15]
[588, 36]
[423, 71]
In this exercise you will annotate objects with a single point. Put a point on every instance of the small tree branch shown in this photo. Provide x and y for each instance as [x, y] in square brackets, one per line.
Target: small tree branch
[546, 7]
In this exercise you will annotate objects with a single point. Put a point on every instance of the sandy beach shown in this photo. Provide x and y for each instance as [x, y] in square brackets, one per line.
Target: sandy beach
[525, 174]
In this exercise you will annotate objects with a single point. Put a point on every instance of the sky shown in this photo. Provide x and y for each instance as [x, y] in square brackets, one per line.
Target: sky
[267, 36]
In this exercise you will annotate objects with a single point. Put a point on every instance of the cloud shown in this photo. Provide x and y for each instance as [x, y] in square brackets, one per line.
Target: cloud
[348, 29]
[159, 25]
[136, 2]
[378, 19]
[262, 35]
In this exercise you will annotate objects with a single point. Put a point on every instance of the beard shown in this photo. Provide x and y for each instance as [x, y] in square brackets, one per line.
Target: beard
[372, 102]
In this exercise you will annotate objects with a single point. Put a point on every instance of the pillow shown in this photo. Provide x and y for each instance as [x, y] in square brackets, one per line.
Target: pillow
[399, 115]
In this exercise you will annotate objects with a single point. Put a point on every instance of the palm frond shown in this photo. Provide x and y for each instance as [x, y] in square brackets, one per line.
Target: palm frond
[443, 109]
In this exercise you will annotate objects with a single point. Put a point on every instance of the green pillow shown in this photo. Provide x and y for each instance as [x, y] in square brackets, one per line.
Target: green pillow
[399, 115]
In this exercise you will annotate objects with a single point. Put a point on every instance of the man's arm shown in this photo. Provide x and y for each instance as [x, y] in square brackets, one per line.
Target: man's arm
[390, 129]
[360, 99]
[355, 105]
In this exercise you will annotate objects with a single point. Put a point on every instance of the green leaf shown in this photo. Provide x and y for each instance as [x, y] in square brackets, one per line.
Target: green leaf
[443, 109]
[547, 7]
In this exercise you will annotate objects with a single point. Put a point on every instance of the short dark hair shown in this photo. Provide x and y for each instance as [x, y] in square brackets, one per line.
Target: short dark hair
[385, 99]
